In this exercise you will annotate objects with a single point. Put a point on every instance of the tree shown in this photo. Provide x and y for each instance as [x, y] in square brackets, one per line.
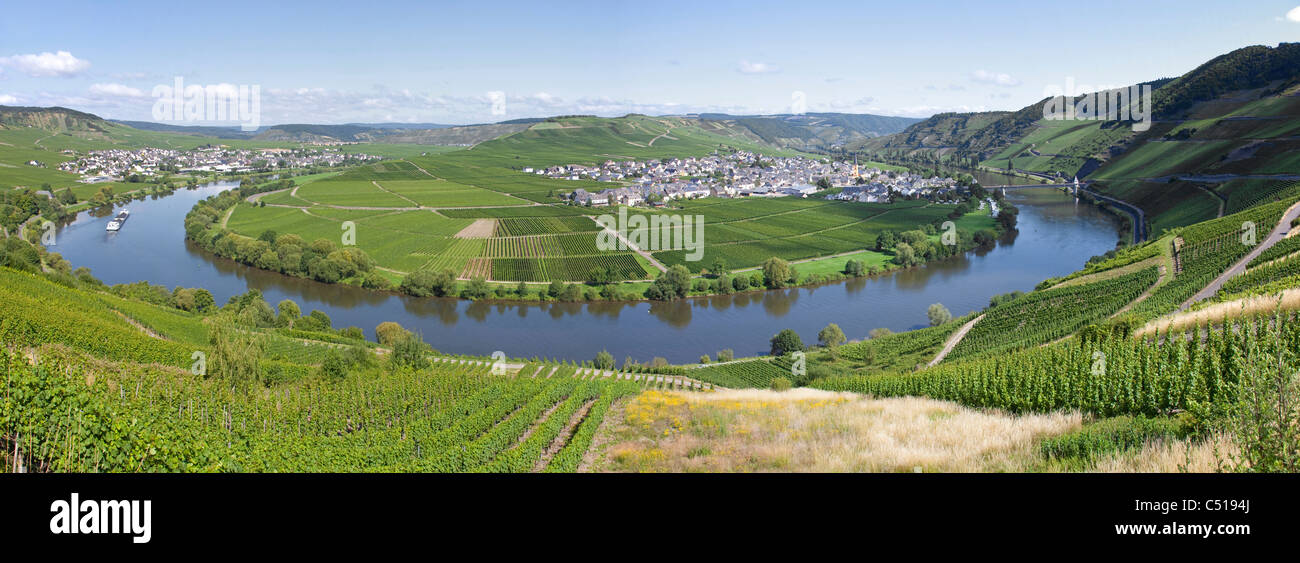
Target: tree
[776, 273]
[879, 333]
[726, 355]
[334, 366]
[785, 342]
[599, 275]
[904, 255]
[423, 283]
[289, 313]
[388, 333]
[673, 283]
[604, 360]
[408, 353]
[780, 384]
[885, 240]
[203, 300]
[236, 356]
[831, 336]
[556, 288]
[477, 289]
[938, 314]
[718, 267]
[854, 268]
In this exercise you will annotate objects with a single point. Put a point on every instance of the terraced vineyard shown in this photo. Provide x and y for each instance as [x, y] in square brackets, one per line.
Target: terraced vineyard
[1263, 275]
[1208, 249]
[1044, 316]
[1153, 378]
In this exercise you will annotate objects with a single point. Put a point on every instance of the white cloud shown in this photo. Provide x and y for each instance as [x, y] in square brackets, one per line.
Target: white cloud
[756, 68]
[61, 63]
[6, 99]
[998, 79]
[1294, 14]
[116, 90]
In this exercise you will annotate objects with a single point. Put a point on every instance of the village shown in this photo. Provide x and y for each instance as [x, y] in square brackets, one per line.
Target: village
[107, 165]
[744, 174]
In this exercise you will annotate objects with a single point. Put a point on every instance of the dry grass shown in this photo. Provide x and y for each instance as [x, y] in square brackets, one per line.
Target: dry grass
[805, 430]
[1174, 456]
[1288, 300]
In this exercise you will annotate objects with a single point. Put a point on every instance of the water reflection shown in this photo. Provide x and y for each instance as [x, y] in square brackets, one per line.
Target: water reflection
[1056, 235]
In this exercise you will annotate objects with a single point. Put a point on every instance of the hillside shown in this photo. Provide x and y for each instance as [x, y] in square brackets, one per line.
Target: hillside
[812, 131]
[54, 119]
[1224, 134]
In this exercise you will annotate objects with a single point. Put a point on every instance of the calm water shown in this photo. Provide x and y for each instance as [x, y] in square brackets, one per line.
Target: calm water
[1055, 236]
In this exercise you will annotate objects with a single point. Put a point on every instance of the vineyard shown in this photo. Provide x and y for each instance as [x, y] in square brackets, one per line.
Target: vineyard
[1285, 247]
[34, 311]
[1263, 275]
[900, 351]
[1043, 316]
[1111, 376]
[1208, 249]
[524, 226]
[738, 375]
[454, 417]
[569, 268]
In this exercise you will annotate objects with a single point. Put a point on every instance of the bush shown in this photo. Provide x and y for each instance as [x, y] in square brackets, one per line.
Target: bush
[938, 314]
[831, 336]
[780, 384]
[604, 360]
[409, 353]
[785, 342]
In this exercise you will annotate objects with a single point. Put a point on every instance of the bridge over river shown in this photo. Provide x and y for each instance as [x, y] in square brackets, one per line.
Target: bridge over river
[1139, 217]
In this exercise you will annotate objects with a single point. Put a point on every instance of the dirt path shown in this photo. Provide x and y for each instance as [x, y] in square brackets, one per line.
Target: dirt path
[386, 190]
[1278, 233]
[644, 254]
[226, 218]
[420, 168]
[559, 442]
[953, 341]
[142, 328]
[661, 136]
[1145, 294]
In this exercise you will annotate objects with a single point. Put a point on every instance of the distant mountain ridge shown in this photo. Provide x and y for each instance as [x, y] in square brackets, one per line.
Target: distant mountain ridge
[813, 131]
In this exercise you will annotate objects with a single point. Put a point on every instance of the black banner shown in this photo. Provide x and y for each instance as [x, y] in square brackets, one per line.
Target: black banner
[321, 512]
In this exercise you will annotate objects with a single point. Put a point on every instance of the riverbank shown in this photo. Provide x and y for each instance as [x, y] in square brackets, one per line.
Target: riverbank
[324, 261]
[1054, 236]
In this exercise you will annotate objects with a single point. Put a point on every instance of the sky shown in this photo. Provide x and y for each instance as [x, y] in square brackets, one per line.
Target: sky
[493, 60]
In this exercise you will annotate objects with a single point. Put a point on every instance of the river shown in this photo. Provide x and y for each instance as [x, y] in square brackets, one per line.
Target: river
[1056, 235]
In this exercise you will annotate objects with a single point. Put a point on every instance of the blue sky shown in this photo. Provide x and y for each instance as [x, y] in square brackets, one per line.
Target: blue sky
[325, 62]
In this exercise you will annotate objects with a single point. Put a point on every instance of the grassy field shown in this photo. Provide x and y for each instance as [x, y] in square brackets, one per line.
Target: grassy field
[427, 200]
